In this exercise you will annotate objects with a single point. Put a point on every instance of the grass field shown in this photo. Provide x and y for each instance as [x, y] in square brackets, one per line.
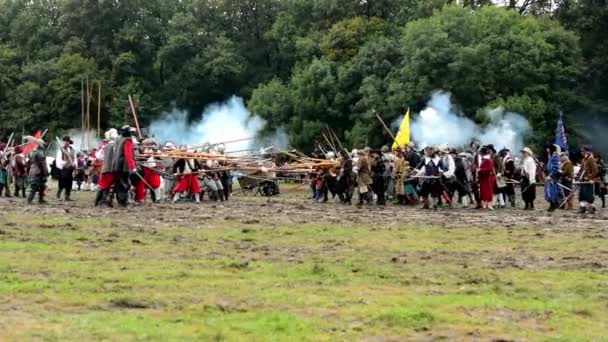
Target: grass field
[187, 274]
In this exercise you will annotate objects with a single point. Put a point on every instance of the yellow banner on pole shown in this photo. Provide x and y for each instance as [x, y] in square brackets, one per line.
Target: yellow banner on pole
[403, 137]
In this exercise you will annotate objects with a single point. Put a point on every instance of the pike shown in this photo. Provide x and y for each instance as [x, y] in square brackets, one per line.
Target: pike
[385, 126]
[10, 140]
[328, 142]
[331, 131]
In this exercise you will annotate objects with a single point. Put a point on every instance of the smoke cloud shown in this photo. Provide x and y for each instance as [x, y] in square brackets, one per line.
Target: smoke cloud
[220, 122]
[441, 123]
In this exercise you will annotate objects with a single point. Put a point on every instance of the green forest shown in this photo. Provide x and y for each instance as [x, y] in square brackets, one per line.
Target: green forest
[302, 65]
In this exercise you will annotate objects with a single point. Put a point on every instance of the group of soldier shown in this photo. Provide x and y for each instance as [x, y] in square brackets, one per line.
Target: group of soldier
[479, 177]
[114, 169]
[434, 177]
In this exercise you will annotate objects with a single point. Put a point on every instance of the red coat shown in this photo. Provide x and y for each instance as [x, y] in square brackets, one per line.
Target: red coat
[487, 178]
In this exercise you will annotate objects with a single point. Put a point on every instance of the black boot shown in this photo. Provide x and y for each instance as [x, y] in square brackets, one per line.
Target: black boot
[59, 193]
[41, 199]
[68, 195]
[527, 207]
[153, 196]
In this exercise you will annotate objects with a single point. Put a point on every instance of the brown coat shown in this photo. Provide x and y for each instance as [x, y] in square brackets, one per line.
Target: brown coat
[590, 169]
[567, 170]
[365, 172]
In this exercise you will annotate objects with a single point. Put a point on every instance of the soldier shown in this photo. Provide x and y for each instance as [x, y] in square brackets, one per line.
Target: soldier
[39, 171]
[66, 163]
[19, 167]
[364, 179]
[123, 164]
[588, 176]
[528, 178]
[4, 178]
[401, 171]
[188, 179]
[106, 179]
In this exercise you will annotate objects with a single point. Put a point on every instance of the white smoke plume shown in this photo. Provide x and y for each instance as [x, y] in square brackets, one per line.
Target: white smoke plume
[441, 123]
[220, 122]
[85, 140]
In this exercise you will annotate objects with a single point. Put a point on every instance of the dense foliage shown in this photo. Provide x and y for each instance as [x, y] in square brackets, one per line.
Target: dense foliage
[301, 64]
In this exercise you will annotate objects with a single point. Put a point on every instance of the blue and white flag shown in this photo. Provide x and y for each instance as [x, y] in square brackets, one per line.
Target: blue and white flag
[561, 139]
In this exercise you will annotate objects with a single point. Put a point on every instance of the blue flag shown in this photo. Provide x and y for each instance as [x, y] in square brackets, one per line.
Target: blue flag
[560, 134]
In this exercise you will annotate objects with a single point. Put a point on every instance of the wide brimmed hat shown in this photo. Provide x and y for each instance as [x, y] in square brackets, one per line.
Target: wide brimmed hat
[67, 139]
[527, 150]
[588, 149]
[150, 141]
[28, 139]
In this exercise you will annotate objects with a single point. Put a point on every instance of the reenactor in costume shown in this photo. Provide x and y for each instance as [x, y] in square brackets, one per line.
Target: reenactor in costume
[81, 170]
[123, 164]
[588, 176]
[364, 177]
[509, 175]
[188, 179]
[528, 178]
[448, 170]
[38, 171]
[378, 168]
[463, 177]
[167, 165]
[346, 179]
[401, 171]
[106, 178]
[66, 163]
[553, 192]
[476, 151]
[151, 177]
[486, 177]
[431, 189]
[4, 177]
[19, 167]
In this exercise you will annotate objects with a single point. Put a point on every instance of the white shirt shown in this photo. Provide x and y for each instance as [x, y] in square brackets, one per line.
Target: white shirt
[529, 168]
[451, 166]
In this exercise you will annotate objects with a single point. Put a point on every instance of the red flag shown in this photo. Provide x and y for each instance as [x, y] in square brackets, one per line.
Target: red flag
[31, 146]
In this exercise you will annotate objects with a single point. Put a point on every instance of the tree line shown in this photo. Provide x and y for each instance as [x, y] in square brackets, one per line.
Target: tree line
[302, 65]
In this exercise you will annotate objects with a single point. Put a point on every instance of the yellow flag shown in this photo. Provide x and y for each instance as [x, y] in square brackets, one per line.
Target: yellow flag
[403, 137]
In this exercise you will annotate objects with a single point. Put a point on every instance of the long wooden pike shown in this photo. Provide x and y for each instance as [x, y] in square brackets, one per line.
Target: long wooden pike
[10, 140]
[135, 116]
[385, 126]
[331, 131]
[328, 142]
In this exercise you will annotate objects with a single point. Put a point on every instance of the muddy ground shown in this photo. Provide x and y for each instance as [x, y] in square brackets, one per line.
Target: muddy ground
[377, 273]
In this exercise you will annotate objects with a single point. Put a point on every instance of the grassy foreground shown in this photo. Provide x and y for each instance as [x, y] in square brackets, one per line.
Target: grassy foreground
[69, 278]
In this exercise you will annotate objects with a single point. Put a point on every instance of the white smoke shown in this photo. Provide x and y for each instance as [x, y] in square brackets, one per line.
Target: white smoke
[442, 123]
[85, 140]
[221, 122]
